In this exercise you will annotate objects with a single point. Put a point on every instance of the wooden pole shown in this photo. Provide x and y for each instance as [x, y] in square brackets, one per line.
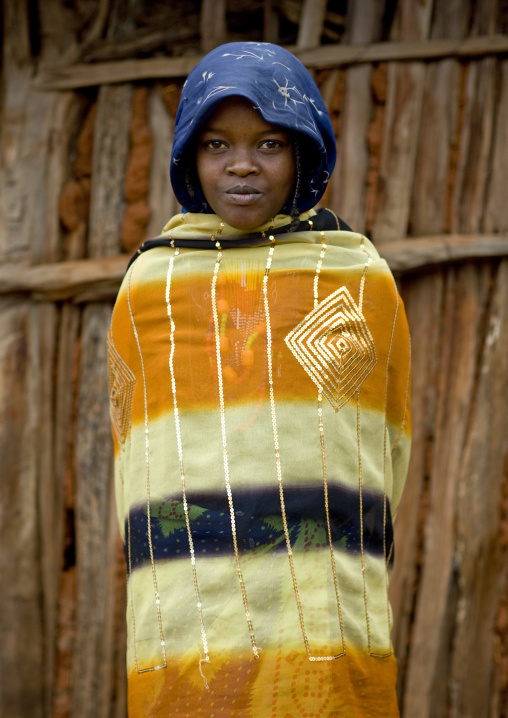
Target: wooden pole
[270, 22]
[72, 77]
[496, 212]
[93, 280]
[349, 188]
[95, 515]
[401, 125]
[311, 23]
[212, 24]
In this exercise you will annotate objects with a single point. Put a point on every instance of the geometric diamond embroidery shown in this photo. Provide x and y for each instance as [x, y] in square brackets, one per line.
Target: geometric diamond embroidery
[335, 347]
[121, 382]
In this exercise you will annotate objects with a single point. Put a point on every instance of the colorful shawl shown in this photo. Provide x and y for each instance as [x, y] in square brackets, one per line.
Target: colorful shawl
[260, 413]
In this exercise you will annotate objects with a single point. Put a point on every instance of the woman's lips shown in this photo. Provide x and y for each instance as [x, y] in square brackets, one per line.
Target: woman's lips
[242, 194]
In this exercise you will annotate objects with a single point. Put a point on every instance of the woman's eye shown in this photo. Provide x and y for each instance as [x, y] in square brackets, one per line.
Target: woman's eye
[271, 144]
[215, 144]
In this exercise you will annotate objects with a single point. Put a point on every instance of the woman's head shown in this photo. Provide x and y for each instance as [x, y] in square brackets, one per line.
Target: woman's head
[246, 167]
[261, 88]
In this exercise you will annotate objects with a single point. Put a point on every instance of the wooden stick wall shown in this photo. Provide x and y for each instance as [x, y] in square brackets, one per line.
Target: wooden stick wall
[418, 93]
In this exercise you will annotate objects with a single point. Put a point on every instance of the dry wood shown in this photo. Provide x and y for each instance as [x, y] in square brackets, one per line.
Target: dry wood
[94, 663]
[462, 321]
[31, 163]
[426, 337]
[212, 24]
[89, 75]
[463, 566]
[65, 280]
[65, 427]
[50, 127]
[144, 42]
[429, 214]
[44, 321]
[35, 135]
[350, 180]
[437, 132]
[478, 545]
[479, 532]
[311, 23]
[481, 525]
[496, 213]
[401, 126]
[452, 20]
[119, 678]
[71, 77]
[475, 148]
[329, 87]
[270, 22]
[291, 9]
[98, 25]
[99, 279]
[21, 620]
[35, 131]
[438, 127]
[95, 525]
[442, 701]
[485, 16]
[110, 154]
[162, 201]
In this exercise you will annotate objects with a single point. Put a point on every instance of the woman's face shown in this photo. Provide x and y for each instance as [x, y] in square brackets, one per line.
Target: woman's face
[246, 166]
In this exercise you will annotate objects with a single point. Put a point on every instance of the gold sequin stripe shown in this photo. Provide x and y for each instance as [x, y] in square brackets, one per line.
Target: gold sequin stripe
[255, 649]
[318, 269]
[206, 659]
[277, 457]
[147, 464]
[362, 282]
[360, 490]
[404, 415]
[323, 461]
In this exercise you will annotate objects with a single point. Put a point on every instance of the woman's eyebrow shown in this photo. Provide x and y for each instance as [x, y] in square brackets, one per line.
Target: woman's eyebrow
[211, 128]
[218, 129]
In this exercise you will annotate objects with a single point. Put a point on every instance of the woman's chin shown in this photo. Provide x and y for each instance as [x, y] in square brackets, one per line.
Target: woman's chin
[244, 221]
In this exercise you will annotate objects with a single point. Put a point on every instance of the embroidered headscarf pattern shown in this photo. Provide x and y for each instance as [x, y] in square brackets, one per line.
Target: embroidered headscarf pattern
[280, 89]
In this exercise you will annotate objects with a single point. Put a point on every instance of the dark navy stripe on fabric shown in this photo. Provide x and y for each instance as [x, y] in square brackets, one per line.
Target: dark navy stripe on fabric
[259, 524]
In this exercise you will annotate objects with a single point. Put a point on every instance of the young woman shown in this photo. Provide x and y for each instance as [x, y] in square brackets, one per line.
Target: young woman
[259, 382]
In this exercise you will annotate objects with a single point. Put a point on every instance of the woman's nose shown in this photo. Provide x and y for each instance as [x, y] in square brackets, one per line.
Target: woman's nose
[242, 162]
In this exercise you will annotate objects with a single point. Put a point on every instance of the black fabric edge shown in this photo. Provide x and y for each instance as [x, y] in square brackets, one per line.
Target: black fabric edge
[324, 220]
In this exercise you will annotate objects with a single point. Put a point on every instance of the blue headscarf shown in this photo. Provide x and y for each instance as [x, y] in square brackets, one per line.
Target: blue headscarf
[283, 92]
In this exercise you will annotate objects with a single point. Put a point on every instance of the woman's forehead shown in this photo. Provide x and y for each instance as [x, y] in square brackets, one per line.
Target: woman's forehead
[236, 111]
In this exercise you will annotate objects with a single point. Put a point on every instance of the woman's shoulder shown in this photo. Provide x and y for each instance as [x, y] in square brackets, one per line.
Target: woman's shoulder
[325, 220]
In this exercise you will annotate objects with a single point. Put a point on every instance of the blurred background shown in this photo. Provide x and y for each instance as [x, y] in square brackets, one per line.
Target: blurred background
[418, 94]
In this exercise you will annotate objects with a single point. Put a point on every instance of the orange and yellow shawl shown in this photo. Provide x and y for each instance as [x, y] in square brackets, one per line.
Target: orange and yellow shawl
[260, 408]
